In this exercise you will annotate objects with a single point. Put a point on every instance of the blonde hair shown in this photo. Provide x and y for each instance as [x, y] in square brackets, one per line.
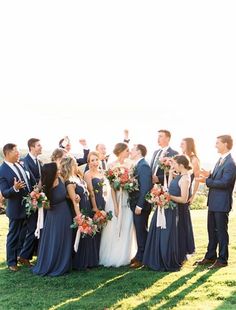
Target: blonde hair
[66, 168]
[95, 153]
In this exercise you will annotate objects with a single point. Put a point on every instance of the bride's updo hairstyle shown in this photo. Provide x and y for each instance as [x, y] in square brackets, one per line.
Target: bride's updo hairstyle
[119, 148]
[183, 160]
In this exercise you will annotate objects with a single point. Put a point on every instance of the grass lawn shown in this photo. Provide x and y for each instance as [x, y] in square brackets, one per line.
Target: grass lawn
[122, 288]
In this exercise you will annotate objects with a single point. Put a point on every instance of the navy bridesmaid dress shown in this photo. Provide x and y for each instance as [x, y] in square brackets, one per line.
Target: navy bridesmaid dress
[55, 257]
[100, 202]
[185, 230]
[161, 250]
[86, 255]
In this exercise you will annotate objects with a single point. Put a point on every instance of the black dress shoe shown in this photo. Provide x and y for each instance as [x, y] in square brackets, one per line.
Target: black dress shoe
[217, 265]
[204, 261]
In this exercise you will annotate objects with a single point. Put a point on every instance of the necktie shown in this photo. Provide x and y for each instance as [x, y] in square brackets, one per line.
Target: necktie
[103, 164]
[38, 166]
[155, 164]
[219, 162]
[22, 177]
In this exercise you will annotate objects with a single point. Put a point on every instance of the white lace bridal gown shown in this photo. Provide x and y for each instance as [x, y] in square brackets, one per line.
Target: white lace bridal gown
[118, 239]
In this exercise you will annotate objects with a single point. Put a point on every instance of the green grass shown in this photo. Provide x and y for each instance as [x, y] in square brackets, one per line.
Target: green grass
[122, 288]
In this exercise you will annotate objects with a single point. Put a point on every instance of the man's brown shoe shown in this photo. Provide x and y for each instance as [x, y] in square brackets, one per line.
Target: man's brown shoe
[204, 261]
[136, 264]
[25, 262]
[13, 268]
[133, 260]
[217, 265]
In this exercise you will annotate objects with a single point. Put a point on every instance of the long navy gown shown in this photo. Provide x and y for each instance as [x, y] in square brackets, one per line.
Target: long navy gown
[100, 202]
[55, 257]
[185, 230]
[161, 250]
[86, 255]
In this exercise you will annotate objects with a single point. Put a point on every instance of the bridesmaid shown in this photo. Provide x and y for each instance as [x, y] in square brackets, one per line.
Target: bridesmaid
[185, 224]
[94, 179]
[162, 246]
[86, 255]
[188, 148]
[54, 258]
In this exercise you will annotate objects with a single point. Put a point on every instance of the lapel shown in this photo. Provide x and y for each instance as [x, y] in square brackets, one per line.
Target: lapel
[220, 167]
[12, 172]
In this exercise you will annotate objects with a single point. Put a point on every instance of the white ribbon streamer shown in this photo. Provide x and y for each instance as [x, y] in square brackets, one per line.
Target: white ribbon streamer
[161, 219]
[39, 223]
[119, 219]
[77, 239]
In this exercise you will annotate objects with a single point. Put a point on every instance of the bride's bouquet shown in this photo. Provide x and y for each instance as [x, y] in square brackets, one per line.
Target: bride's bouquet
[159, 197]
[85, 225]
[35, 200]
[101, 218]
[122, 177]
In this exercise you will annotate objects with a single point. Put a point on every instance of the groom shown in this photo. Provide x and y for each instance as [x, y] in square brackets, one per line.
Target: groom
[140, 207]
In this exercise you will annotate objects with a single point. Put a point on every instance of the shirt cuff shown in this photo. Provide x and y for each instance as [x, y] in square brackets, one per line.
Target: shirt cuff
[16, 190]
[139, 207]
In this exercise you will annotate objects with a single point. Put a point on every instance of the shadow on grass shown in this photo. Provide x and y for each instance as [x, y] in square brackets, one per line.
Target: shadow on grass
[96, 289]
[108, 293]
[229, 302]
[174, 286]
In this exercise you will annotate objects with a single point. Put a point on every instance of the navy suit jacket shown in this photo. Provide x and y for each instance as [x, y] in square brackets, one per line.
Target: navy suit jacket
[160, 172]
[221, 184]
[143, 173]
[83, 160]
[33, 170]
[15, 209]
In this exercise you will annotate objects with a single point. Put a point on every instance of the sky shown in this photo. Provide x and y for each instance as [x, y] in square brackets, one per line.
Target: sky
[90, 69]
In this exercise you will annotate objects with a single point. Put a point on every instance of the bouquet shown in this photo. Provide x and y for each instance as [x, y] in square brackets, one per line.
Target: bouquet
[85, 225]
[164, 163]
[101, 218]
[35, 200]
[158, 197]
[122, 177]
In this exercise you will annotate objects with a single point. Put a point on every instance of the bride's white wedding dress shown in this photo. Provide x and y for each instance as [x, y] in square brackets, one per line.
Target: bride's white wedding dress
[118, 240]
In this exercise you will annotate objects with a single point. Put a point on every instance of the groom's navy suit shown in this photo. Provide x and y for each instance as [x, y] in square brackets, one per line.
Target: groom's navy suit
[15, 211]
[137, 198]
[221, 184]
[160, 172]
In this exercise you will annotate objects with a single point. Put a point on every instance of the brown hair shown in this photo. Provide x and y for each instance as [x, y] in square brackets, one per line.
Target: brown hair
[8, 148]
[226, 139]
[190, 147]
[166, 132]
[119, 148]
[57, 154]
[182, 160]
[32, 142]
[142, 149]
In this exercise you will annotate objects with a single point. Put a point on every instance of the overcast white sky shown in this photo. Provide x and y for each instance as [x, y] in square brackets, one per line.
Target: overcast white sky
[92, 68]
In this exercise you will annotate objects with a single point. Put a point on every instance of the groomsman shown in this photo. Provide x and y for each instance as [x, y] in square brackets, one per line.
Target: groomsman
[165, 150]
[14, 185]
[33, 165]
[31, 162]
[221, 184]
[140, 207]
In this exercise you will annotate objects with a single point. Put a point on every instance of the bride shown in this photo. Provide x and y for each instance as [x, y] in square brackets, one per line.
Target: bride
[118, 240]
